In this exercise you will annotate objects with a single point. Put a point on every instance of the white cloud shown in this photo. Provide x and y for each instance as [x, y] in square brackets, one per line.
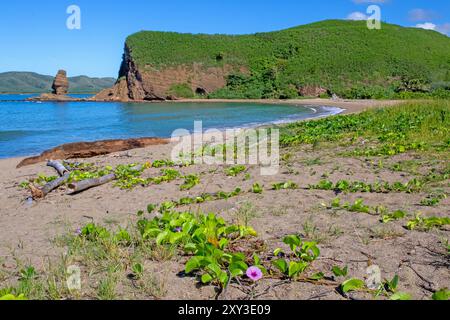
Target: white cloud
[422, 15]
[426, 26]
[443, 28]
[357, 16]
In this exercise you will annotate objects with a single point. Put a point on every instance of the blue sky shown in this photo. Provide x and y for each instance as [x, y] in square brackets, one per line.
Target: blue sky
[35, 37]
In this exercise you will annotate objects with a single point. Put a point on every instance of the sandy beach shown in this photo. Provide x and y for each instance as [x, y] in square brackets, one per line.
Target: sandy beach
[29, 229]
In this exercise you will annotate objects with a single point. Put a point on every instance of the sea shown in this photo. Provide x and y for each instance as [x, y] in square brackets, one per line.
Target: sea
[29, 128]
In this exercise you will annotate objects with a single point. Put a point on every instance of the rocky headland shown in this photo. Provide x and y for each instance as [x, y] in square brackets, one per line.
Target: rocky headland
[151, 84]
[60, 89]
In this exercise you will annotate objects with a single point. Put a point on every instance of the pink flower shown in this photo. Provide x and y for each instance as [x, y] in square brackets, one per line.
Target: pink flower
[254, 273]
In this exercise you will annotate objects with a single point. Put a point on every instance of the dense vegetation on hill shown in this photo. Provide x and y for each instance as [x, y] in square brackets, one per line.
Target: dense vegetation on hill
[344, 57]
[29, 82]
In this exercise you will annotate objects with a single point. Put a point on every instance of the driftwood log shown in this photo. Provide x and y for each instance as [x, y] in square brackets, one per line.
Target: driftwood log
[58, 166]
[79, 186]
[38, 193]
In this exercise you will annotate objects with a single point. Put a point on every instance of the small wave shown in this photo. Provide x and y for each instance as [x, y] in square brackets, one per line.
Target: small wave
[325, 111]
[14, 134]
[332, 110]
[7, 135]
[313, 109]
[319, 112]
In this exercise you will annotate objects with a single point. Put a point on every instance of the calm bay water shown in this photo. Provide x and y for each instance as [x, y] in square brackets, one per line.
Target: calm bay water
[28, 128]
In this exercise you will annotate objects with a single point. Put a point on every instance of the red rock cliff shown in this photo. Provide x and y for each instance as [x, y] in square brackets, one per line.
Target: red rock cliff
[148, 83]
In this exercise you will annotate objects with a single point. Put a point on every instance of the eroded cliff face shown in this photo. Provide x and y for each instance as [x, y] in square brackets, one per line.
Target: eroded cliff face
[119, 92]
[150, 84]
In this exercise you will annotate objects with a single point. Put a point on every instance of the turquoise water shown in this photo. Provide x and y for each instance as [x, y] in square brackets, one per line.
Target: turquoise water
[29, 128]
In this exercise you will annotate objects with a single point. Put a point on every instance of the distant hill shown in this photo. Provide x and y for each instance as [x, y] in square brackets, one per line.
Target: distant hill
[30, 82]
[342, 57]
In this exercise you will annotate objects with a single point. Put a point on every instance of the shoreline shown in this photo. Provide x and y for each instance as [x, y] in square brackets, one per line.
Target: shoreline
[349, 106]
[346, 106]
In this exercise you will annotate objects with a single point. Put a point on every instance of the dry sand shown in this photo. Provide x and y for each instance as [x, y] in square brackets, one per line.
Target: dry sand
[27, 230]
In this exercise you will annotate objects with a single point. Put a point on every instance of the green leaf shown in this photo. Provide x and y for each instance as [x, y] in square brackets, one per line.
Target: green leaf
[401, 296]
[352, 285]
[249, 231]
[10, 297]
[190, 247]
[162, 237]
[256, 259]
[241, 265]
[336, 203]
[318, 276]
[151, 233]
[192, 265]
[206, 278]
[294, 269]
[281, 265]
[223, 278]
[238, 257]
[277, 252]
[215, 268]
[311, 249]
[397, 215]
[338, 272]
[138, 269]
[293, 241]
[257, 188]
[231, 229]
[443, 294]
[238, 267]
[393, 283]
[235, 271]
[223, 243]
[176, 237]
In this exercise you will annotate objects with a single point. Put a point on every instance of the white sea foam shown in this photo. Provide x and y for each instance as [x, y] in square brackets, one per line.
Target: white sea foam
[319, 112]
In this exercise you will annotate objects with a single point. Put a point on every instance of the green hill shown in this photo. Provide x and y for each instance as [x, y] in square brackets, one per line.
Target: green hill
[29, 82]
[344, 57]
